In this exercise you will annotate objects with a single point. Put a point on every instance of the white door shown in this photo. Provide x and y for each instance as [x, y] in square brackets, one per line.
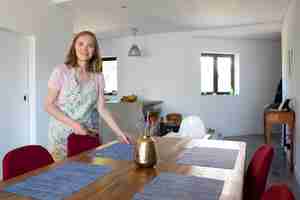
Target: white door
[14, 108]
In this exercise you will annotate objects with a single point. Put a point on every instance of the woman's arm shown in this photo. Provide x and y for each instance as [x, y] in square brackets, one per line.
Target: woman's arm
[54, 111]
[107, 116]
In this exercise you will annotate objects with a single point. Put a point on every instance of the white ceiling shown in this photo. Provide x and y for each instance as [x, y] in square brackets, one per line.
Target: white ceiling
[228, 18]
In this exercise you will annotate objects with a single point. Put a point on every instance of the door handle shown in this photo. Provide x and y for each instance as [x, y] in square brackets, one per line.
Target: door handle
[25, 98]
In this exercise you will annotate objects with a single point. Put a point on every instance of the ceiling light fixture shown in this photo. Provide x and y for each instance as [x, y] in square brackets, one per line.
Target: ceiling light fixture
[134, 49]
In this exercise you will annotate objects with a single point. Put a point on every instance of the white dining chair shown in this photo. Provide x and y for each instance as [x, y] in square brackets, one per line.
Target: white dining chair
[192, 127]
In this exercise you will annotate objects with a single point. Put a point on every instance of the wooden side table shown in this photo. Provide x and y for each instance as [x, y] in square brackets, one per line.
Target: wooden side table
[280, 117]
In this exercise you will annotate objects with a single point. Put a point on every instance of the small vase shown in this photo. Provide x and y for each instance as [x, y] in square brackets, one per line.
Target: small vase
[145, 152]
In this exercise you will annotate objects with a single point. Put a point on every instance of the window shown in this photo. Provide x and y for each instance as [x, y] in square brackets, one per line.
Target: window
[217, 74]
[110, 74]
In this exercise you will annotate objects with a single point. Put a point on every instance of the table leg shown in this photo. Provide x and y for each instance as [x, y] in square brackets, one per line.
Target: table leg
[265, 128]
[268, 133]
[291, 136]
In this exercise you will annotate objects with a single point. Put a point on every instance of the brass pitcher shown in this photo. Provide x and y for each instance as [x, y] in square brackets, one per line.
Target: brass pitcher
[145, 152]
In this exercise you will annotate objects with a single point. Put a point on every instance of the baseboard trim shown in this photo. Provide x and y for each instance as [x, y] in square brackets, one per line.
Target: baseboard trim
[248, 134]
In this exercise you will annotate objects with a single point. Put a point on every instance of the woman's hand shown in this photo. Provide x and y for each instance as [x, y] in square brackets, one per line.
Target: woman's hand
[106, 115]
[78, 129]
[125, 138]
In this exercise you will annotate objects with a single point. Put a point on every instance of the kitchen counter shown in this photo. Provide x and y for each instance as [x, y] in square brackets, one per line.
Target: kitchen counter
[128, 116]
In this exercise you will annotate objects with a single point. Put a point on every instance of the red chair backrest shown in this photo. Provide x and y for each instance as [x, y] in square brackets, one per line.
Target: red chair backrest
[79, 143]
[25, 159]
[257, 172]
[278, 192]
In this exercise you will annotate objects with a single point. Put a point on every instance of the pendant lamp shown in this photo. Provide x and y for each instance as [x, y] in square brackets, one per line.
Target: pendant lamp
[134, 49]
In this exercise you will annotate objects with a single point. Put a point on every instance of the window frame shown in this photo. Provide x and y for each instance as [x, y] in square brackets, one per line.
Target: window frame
[215, 72]
[109, 59]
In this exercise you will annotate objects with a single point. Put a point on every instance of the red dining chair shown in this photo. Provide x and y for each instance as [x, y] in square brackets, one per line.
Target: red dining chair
[79, 143]
[278, 192]
[25, 159]
[257, 172]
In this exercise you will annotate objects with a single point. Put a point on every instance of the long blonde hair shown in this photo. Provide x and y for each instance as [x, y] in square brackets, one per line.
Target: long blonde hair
[95, 64]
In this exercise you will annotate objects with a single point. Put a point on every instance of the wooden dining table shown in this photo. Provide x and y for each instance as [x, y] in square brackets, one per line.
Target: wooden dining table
[126, 178]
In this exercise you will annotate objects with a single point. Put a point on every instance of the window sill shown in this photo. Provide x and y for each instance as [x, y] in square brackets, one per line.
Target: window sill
[217, 94]
[111, 93]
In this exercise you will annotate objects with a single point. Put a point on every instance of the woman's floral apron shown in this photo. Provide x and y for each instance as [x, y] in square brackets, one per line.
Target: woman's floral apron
[80, 105]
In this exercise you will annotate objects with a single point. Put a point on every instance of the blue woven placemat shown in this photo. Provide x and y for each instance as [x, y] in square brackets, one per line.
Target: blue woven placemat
[116, 151]
[209, 157]
[59, 182]
[170, 186]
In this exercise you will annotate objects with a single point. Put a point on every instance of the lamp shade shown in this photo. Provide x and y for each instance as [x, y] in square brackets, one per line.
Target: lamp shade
[134, 51]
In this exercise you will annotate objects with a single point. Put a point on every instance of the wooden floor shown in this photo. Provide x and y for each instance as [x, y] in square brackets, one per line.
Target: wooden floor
[279, 169]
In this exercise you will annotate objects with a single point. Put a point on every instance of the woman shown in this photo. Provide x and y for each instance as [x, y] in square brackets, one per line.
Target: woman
[75, 92]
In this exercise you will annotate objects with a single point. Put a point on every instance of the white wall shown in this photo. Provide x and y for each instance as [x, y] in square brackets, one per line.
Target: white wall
[52, 28]
[291, 40]
[170, 71]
